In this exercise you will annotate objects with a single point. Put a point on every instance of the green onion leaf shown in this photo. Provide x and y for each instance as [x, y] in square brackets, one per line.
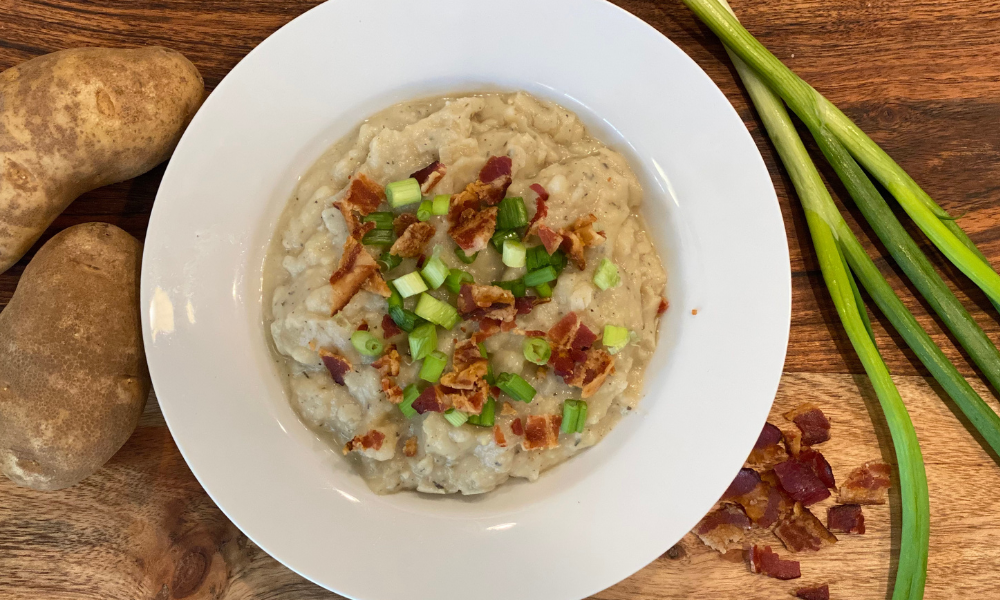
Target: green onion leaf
[512, 213]
[394, 298]
[423, 340]
[490, 378]
[382, 220]
[515, 286]
[410, 284]
[456, 418]
[424, 210]
[558, 260]
[540, 276]
[462, 256]
[615, 338]
[606, 275]
[537, 258]
[401, 193]
[570, 416]
[537, 350]
[543, 290]
[501, 236]
[514, 386]
[487, 417]
[440, 203]
[387, 262]
[455, 279]
[405, 319]
[436, 311]
[513, 253]
[435, 271]
[366, 343]
[379, 237]
[433, 366]
[410, 393]
[581, 420]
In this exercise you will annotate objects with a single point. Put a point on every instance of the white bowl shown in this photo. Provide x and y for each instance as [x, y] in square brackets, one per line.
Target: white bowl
[585, 524]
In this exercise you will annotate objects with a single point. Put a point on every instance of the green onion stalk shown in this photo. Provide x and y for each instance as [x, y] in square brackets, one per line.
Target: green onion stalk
[819, 113]
[824, 222]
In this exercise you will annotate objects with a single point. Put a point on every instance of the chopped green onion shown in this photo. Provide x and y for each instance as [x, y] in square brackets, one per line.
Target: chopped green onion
[435, 271]
[514, 386]
[436, 311]
[570, 416]
[382, 220]
[515, 286]
[581, 420]
[394, 298]
[405, 319]
[401, 193]
[490, 378]
[540, 276]
[387, 262]
[543, 290]
[440, 204]
[456, 418]
[424, 210]
[423, 340]
[512, 213]
[558, 260]
[501, 236]
[379, 237]
[487, 417]
[410, 393]
[537, 258]
[615, 338]
[513, 253]
[606, 275]
[537, 350]
[462, 256]
[410, 284]
[455, 279]
[366, 343]
[433, 366]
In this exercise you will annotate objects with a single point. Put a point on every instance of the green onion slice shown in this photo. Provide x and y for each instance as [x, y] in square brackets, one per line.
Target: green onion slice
[513, 253]
[406, 320]
[436, 311]
[462, 256]
[423, 340]
[387, 262]
[516, 286]
[410, 284]
[455, 279]
[382, 220]
[401, 193]
[606, 275]
[570, 416]
[501, 236]
[537, 258]
[487, 417]
[615, 338]
[410, 393]
[540, 276]
[514, 386]
[379, 237]
[537, 350]
[456, 418]
[558, 260]
[440, 204]
[366, 343]
[543, 290]
[581, 420]
[435, 271]
[512, 213]
[433, 366]
[424, 211]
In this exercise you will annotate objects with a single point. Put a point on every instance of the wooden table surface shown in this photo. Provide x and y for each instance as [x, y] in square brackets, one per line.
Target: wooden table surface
[922, 78]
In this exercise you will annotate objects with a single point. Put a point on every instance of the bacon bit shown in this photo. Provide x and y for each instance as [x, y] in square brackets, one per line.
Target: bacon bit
[499, 437]
[488, 328]
[496, 172]
[817, 462]
[541, 211]
[562, 333]
[579, 236]
[486, 302]
[538, 189]
[376, 285]
[467, 378]
[793, 440]
[764, 561]
[337, 365]
[573, 361]
[759, 499]
[801, 483]
[551, 238]
[429, 176]
[846, 518]
[430, 400]
[404, 220]
[664, 305]
[389, 327]
[811, 421]
[356, 266]
[410, 448]
[819, 592]
[495, 391]
[369, 441]
[745, 481]
[524, 305]
[868, 484]
[388, 366]
[780, 496]
[584, 338]
[507, 410]
[541, 432]
[363, 196]
[516, 428]
[413, 241]
[469, 401]
[363, 326]
[723, 528]
[534, 333]
[803, 531]
[694, 311]
[474, 229]
[768, 450]
[590, 375]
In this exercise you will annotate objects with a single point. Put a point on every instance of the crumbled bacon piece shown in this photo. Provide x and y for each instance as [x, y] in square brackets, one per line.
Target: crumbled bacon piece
[516, 427]
[524, 304]
[664, 305]
[388, 366]
[429, 176]
[404, 220]
[761, 501]
[811, 421]
[431, 400]
[369, 441]
[507, 410]
[541, 211]
[764, 561]
[801, 531]
[574, 360]
[578, 236]
[486, 301]
[534, 333]
[817, 462]
[469, 367]
[363, 196]
[389, 327]
[337, 365]
[768, 450]
[745, 481]
[472, 226]
[846, 518]
[376, 285]
[497, 173]
[868, 484]
[410, 448]
[488, 328]
[563, 333]
[363, 326]
[551, 238]
[541, 432]
[538, 189]
[413, 241]
[474, 229]
[356, 266]
[469, 401]
[591, 374]
[801, 483]
[793, 440]
[498, 437]
[819, 592]
[723, 528]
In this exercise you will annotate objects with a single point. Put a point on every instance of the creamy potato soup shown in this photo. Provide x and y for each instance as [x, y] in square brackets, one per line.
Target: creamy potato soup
[463, 290]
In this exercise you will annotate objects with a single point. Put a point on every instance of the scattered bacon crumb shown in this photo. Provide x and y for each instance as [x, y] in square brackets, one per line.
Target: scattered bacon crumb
[388, 366]
[801, 531]
[819, 592]
[664, 305]
[590, 375]
[551, 238]
[469, 401]
[768, 450]
[694, 311]
[541, 211]
[817, 462]
[524, 304]
[369, 441]
[811, 421]
[516, 428]
[413, 241]
[363, 326]
[337, 365]
[376, 285]
[473, 229]
[486, 301]
[488, 328]
[846, 518]
[793, 440]
[760, 500]
[431, 399]
[404, 220]
[801, 483]
[472, 226]
[764, 561]
[868, 484]
[543, 195]
[498, 437]
[507, 410]
[578, 236]
[363, 196]
[496, 172]
[410, 448]
[745, 480]
[534, 333]
[723, 528]
[356, 266]
[429, 176]
[574, 360]
[541, 432]
[389, 327]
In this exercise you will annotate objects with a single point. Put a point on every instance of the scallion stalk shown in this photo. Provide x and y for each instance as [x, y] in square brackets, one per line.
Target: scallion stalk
[382, 220]
[514, 386]
[512, 213]
[433, 366]
[440, 204]
[570, 415]
[513, 254]
[425, 210]
[379, 237]
[455, 417]
[423, 340]
[462, 256]
[387, 262]
[410, 284]
[606, 274]
[558, 260]
[581, 419]
[543, 290]
[410, 393]
[487, 417]
[537, 350]
[407, 320]
[536, 258]
[501, 236]
[366, 343]
[515, 286]
[540, 276]
[435, 271]
[436, 311]
[401, 193]
[615, 338]
[455, 279]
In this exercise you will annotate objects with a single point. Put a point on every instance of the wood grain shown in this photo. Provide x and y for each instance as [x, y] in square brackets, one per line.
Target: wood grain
[922, 78]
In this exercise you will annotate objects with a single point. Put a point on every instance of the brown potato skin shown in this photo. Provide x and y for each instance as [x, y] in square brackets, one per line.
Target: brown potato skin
[79, 119]
[73, 376]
